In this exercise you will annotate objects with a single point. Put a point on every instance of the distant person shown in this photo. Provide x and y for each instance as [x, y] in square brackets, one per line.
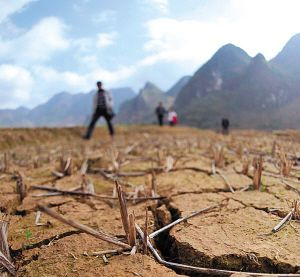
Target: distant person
[225, 126]
[102, 107]
[172, 117]
[160, 112]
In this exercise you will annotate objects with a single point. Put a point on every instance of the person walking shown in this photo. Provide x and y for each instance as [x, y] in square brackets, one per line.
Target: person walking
[160, 112]
[225, 126]
[172, 117]
[102, 107]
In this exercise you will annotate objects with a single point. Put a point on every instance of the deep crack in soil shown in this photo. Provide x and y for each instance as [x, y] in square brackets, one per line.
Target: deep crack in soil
[174, 250]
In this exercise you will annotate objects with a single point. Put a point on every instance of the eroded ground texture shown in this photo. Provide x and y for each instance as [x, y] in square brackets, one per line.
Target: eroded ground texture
[192, 169]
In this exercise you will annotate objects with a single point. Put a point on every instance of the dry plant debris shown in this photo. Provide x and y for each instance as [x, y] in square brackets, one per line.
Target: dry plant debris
[196, 184]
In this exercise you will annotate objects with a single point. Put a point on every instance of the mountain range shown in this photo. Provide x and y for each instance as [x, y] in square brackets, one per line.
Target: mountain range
[250, 91]
[63, 109]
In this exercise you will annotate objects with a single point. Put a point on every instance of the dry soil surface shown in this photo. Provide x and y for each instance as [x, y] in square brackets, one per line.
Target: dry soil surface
[190, 168]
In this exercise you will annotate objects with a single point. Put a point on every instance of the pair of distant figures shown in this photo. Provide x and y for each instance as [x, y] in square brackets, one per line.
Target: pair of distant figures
[160, 113]
[172, 118]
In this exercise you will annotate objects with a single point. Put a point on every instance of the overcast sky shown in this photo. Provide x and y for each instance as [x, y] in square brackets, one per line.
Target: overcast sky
[67, 45]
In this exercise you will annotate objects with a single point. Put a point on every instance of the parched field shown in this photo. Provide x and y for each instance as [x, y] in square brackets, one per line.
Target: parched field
[245, 186]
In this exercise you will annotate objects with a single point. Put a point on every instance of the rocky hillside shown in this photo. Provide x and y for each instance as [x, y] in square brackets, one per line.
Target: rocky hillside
[141, 109]
[251, 92]
[175, 89]
[288, 60]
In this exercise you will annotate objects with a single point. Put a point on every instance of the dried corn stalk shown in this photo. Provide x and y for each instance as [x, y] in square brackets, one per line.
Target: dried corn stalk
[21, 187]
[160, 157]
[199, 144]
[5, 259]
[132, 231]
[296, 210]
[128, 221]
[36, 162]
[190, 146]
[145, 247]
[84, 167]
[123, 209]
[68, 167]
[169, 163]
[240, 151]
[65, 168]
[6, 163]
[246, 164]
[115, 159]
[153, 184]
[218, 155]
[286, 165]
[274, 146]
[86, 185]
[258, 166]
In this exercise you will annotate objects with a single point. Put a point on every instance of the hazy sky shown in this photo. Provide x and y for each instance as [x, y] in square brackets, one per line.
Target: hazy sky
[48, 46]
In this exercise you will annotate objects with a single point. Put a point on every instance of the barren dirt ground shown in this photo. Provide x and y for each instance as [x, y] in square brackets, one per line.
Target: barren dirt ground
[251, 178]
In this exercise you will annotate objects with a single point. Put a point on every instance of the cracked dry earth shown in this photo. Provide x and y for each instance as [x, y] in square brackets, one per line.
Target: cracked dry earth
[237, 235]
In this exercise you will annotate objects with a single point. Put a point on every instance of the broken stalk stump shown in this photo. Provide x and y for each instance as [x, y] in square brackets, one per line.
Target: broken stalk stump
[258, 166]
[153, 184]
[169, 163]
[123, 209]
[245, 169]
[219, 157]
[286, 166]
[5, 259]
[132, 231]
[20, 187]
[65, 168]
[145, 250]
[84, 167]
[6, 163]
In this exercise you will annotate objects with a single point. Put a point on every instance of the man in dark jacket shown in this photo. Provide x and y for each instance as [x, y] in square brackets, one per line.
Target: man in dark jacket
[102, 107]
[160, 112]
[225, 126]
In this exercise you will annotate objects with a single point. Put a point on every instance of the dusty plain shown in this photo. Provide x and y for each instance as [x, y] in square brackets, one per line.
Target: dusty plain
[192, 169]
